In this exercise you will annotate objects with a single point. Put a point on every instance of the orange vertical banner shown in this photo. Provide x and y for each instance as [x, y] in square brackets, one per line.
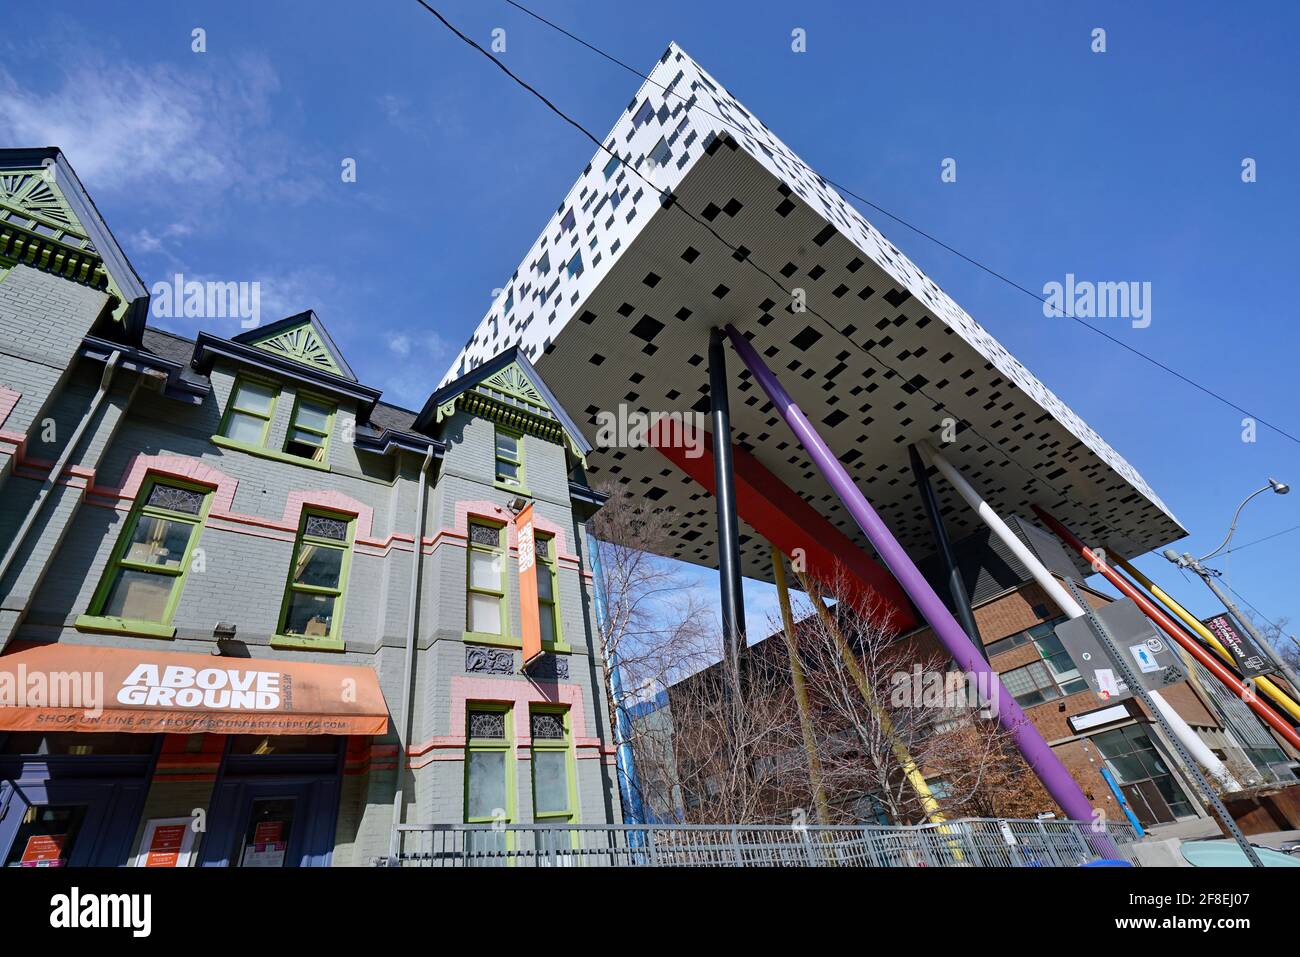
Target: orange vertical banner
[530, 623]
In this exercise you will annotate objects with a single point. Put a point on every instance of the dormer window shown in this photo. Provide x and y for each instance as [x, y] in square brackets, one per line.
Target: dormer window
[510, 458]
[248, 416]
[309, 429]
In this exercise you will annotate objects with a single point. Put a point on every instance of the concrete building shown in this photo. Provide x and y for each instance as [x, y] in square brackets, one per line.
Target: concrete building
[301, 604]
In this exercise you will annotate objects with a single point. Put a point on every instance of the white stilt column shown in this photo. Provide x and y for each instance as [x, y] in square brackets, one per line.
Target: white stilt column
[1065, 601]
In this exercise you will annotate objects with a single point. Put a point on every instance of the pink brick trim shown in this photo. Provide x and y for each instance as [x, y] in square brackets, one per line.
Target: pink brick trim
[8, 402]
[493, 512]
[195, 470]
[519, 695]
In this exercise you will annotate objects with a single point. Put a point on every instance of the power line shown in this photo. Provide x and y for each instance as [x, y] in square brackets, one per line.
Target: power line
[1264, 539]
[670, 201]
[919, 231]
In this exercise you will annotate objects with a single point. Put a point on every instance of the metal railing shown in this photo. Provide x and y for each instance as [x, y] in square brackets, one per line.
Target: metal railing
[969, 842]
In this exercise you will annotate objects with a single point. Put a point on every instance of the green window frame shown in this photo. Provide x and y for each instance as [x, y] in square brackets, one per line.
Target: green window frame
[489, 763]
[485, 583]
[311, 615]
[310, 427]
[244, 409]
[554, 770]
[150, 562]
[509, 447]
[548, 596]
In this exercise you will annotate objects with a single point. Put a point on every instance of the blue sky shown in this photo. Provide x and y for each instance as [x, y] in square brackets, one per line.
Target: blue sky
[1124, 165]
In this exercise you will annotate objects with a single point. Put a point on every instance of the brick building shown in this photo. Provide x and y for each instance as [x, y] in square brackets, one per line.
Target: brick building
[1017, 627]
[224, 533]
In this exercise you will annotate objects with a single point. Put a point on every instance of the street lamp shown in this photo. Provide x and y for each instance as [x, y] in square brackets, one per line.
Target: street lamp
[1207, 576]
[1281, 488]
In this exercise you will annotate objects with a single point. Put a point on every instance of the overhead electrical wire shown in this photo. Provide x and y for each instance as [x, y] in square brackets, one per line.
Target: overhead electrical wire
[921, 232]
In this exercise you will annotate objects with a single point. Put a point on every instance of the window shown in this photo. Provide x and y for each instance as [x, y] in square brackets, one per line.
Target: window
[485, 605]
[489, 784]
[510, 458]
[642, 115]
[661, 154]
[248, 416]
[575, 266]
[548, 607]
[553, 799]
[313, 600]
[568, 222]
[612, 166]
[1143, 775]
[142, 585]
[309, 429]
[1031, 684]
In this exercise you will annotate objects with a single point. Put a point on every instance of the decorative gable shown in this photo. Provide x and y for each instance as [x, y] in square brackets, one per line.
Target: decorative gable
[301, 339]
[31, 192]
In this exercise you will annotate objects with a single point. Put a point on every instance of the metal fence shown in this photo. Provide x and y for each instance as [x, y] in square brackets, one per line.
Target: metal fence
[970, 842]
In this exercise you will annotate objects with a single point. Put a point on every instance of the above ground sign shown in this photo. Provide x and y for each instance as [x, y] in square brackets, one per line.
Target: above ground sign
[1147, 654]
[1249, 658]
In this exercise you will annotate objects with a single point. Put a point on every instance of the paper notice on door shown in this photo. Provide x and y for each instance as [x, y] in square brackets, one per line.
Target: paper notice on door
[1107, 686]
[165, 846]
[44, 850]
[264, 855]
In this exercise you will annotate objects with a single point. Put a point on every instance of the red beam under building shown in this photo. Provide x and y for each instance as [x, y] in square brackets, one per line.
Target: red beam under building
[776, 512]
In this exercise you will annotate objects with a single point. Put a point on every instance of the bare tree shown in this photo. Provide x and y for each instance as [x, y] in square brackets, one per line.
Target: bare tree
[656, 628]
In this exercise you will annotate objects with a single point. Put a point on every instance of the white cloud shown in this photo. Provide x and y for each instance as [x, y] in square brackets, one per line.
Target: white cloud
[123, 126]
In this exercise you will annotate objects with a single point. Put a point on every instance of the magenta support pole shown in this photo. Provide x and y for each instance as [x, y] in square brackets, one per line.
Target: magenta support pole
[1056, 779]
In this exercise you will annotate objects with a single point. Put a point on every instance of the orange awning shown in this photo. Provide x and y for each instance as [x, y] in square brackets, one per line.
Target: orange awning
[93, 688]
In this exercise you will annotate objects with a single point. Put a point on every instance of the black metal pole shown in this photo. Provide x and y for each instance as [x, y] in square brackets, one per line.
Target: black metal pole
[956, 588]
[733, 607]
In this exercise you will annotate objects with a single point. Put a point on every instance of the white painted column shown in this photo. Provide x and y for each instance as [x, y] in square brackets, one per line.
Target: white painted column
[1065, 601]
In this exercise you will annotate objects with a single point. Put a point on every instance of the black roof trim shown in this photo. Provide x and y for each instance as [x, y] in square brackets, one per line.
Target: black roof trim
[428, 415]
[84, 208]
[208, 347]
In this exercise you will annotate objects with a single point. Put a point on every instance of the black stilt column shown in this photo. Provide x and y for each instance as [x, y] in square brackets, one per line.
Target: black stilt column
[733, 606]
[960, 600]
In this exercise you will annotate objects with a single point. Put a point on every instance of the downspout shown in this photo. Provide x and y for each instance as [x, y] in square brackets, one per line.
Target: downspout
[403, 724]
[42, 496]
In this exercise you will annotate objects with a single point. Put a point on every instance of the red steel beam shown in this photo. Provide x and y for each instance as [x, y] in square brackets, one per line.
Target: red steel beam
[776, 512]
[1166, 624]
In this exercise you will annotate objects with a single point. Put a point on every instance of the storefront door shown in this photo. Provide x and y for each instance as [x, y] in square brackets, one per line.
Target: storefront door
[71, 800]
[276, 804]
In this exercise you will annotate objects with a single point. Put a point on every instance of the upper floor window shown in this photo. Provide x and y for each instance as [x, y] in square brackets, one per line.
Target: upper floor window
[313, 601]
[486, 581]
[146, 572]
[510, 457]
[643, 114]
[612, 166]
[547, 603]
[309, 429]
[248, 416]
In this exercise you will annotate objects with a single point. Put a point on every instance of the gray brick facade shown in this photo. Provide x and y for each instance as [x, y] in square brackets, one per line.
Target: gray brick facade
[158, 419]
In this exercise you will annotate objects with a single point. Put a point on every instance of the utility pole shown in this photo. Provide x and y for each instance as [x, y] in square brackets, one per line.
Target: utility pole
[1208, 575]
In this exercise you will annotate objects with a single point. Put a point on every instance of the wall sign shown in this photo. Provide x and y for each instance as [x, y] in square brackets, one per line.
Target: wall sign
[1250, 659]
[166, 842]
[530, 621]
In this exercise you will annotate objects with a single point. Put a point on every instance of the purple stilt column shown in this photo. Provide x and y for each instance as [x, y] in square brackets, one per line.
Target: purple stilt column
[1056, 779]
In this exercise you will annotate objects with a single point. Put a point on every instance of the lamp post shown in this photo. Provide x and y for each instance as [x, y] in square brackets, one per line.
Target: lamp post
[1208, 575]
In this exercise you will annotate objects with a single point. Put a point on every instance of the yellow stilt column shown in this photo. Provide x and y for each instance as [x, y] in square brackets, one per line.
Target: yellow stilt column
[1270, 689]
[800, 689]
[914, 776]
